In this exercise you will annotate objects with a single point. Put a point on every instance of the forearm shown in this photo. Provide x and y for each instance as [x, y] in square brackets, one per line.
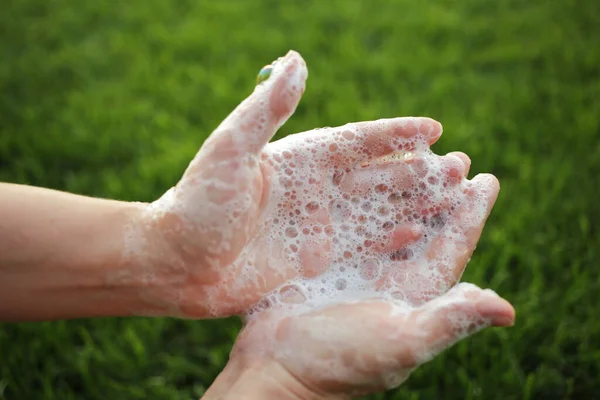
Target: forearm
[58, 252]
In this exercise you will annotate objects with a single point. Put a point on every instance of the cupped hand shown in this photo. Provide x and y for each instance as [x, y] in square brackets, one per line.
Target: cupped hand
[359, 347]
[249, 216]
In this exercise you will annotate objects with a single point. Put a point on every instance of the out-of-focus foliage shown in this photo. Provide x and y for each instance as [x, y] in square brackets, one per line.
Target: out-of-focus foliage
[113, 98]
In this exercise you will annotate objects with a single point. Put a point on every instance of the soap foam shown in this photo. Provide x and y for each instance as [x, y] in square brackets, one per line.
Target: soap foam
[355, 228]
[377, 218]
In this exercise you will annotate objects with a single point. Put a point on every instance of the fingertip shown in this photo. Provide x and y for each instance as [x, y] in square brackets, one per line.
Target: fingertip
[454, 168]
[486, 181]
[465, 160]
[488, 304]
[289, 82]
[431, 129]
[293, 54]
[506, 320]
[487, 185]
[407, 127]
[496, 309]
[301, 70]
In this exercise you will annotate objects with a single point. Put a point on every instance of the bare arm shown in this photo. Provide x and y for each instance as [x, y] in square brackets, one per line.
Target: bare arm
[57, 252]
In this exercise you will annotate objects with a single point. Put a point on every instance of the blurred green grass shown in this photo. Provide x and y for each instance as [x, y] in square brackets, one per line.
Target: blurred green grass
[112, 99]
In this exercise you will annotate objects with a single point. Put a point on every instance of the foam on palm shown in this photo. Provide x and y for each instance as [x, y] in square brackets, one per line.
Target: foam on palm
[390, 229]
[365, 230]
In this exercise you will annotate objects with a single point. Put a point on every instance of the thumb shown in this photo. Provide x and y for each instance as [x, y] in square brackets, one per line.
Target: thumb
[463, 311]
[256, 120]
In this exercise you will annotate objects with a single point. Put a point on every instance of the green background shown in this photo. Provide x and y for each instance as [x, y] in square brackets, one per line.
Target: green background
[113, 98]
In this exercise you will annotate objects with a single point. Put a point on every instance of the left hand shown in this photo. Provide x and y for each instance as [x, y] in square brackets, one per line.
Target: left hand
[248, 215]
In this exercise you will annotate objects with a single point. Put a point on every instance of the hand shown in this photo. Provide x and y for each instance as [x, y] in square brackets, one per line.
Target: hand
[248, 216]
[342, 346]
[331, 345]
[351, 348]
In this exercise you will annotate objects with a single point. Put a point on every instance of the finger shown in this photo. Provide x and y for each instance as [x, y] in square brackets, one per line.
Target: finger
[393, 191]
[386, 136]
[382, 179]
[254, 122]
[463, 229]
[448, 170]
[397, 180]
[461, 312]
[465, 160]
[347, 145]
[483, 192]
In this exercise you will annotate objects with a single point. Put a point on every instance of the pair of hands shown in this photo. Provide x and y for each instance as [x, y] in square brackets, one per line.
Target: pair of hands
[210, 243]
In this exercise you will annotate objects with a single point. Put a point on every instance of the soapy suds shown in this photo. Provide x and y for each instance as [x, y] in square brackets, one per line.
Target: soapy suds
[376, 218]
[322, 218]
[390, 228]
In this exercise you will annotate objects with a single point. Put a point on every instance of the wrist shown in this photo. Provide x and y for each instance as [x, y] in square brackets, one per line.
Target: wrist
[260, 379]
[166, 263]
[89, 278]
[151, 267]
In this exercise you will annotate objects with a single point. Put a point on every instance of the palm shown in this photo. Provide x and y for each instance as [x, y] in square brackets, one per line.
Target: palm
[374, 336]
[293, 230]
[359, 347]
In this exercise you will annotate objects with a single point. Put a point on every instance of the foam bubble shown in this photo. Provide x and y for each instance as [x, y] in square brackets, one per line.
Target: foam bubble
[348, 226]
[355, 209]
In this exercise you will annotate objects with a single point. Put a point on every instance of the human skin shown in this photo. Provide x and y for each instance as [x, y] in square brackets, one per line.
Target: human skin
[188, 253]
[182, 254]
[352, 348]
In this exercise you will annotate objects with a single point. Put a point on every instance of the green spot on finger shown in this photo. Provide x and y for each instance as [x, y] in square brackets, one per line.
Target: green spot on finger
[264, 74]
